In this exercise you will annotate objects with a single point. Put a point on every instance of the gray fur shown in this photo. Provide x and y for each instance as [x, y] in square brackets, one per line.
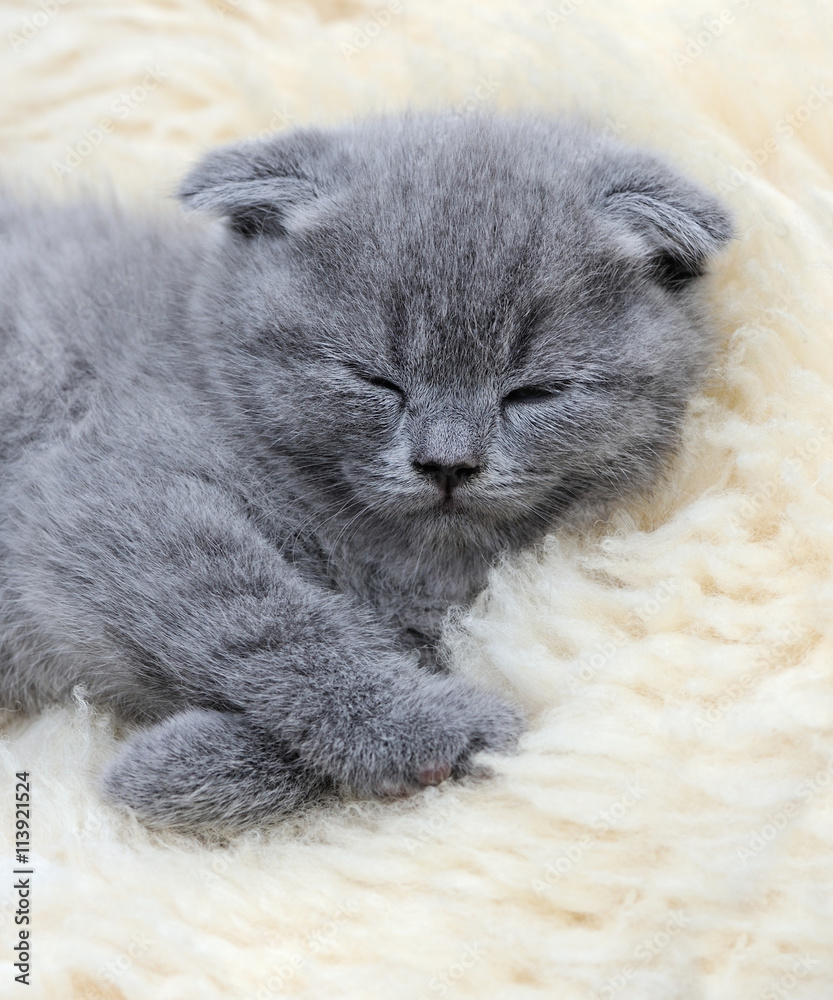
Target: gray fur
[248, 465]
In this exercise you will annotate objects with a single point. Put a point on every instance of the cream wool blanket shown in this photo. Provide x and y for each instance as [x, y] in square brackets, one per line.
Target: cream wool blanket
[666, 830]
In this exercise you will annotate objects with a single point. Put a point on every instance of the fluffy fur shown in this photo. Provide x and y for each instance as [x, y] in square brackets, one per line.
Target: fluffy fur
[681, 647]
[245, 471]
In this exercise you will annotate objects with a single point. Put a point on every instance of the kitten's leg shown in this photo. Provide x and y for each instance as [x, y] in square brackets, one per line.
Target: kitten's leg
[203, 768]
[154, 588]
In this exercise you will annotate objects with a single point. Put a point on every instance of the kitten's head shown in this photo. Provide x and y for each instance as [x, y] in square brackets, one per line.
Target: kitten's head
[465, 326]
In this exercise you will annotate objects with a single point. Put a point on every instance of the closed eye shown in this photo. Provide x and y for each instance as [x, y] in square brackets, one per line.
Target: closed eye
[536, 393]
[383, 383]
[376, 380]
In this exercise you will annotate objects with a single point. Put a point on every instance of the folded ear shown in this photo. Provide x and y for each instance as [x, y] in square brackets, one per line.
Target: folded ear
[678, 224]
[256, 185]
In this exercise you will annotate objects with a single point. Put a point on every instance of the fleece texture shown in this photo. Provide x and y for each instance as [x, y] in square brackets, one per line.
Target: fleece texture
[665, 831]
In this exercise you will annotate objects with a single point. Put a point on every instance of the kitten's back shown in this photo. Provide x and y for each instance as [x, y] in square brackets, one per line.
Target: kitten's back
[88, 295]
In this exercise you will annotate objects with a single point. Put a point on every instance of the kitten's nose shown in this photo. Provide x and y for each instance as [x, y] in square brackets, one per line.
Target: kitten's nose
[447, 477]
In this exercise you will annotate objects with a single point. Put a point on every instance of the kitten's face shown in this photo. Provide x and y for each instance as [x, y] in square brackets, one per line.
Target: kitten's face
[464, 327]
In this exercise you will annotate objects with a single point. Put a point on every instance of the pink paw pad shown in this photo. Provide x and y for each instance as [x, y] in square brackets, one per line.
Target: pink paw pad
[434, 774]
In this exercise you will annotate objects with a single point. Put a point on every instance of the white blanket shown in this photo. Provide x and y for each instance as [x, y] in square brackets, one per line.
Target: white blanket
[666, 830]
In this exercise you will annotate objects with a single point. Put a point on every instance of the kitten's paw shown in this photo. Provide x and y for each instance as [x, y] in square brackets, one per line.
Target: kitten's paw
[204, 768]
[430, 732]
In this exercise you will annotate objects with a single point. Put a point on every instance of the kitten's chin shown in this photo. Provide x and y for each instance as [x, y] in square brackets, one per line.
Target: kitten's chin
[446, 513]
[456, 507]
[463, 516]
[450, 505]
[463, 524]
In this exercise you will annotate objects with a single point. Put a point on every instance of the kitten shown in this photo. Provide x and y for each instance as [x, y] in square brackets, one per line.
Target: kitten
[248, 466]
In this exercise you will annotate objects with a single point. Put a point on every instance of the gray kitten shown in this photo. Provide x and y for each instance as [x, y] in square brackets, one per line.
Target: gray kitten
[248, 466]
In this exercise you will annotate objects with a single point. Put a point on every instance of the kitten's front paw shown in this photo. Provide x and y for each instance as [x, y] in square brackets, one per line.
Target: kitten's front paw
[429, 732]
[202, 768]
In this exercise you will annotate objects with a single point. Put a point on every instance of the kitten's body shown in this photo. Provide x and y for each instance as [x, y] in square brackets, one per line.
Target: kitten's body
[247, 467]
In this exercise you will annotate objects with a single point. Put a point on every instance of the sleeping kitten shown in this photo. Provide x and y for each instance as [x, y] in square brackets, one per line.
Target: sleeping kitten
[247, 466]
